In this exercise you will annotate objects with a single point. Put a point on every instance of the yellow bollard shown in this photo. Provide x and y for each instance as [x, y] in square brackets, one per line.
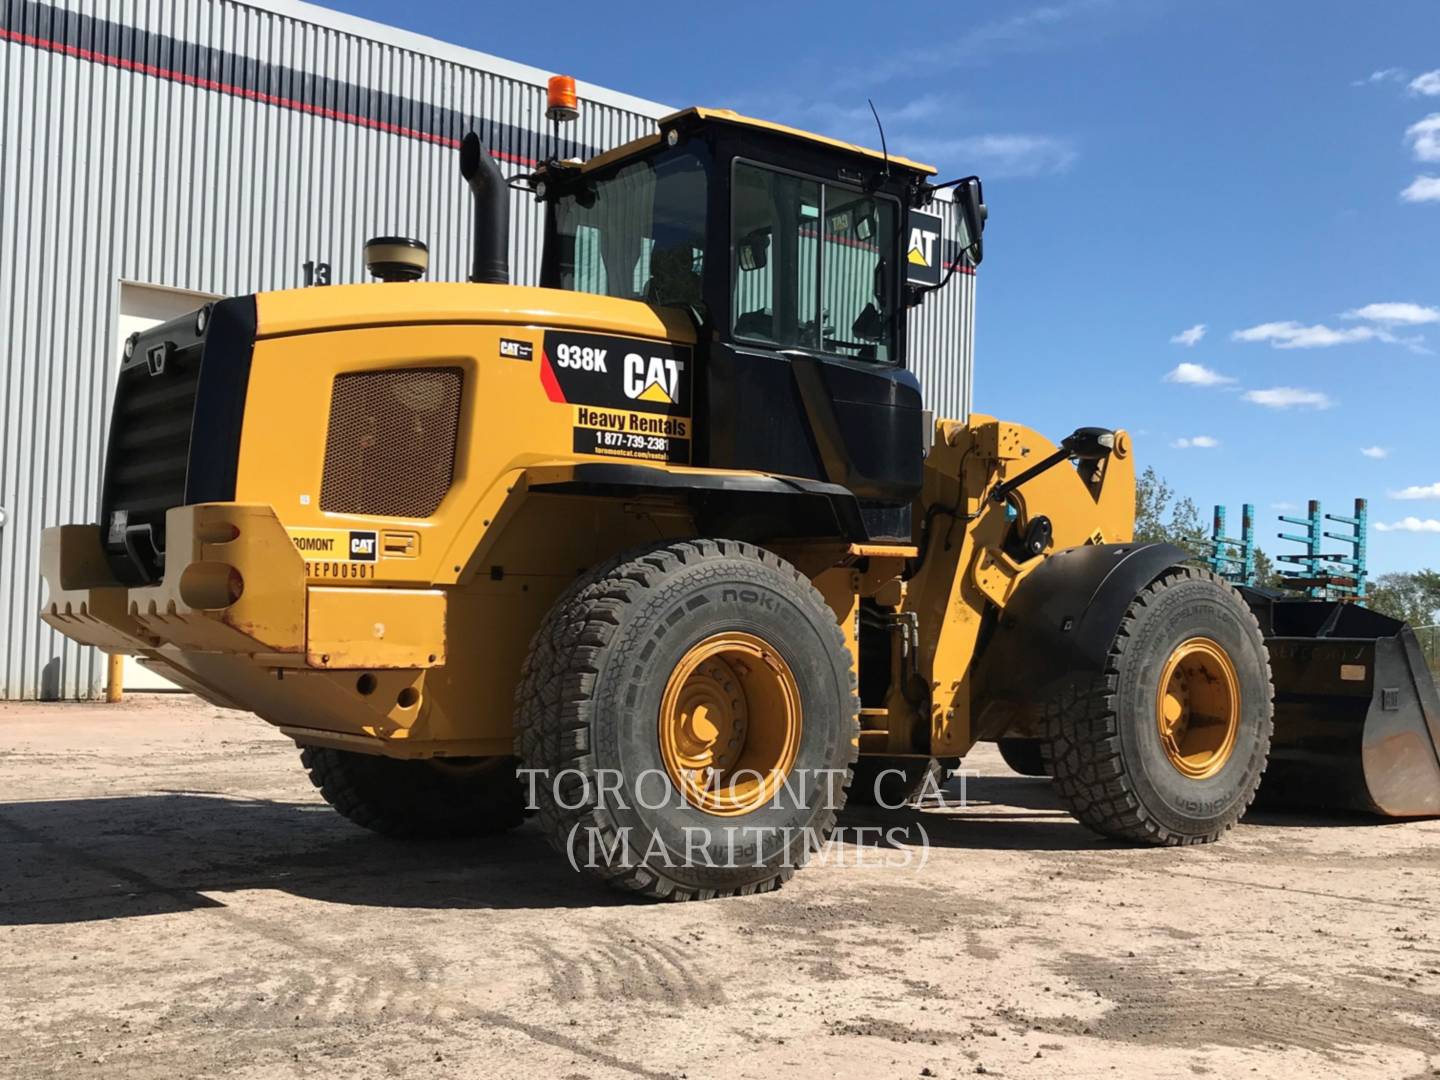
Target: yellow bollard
[115, 678]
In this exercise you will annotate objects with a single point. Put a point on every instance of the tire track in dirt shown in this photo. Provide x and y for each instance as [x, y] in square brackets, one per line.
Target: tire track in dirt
[1171, 1004]
[1214, 879]
[369, 975]
[622, 966]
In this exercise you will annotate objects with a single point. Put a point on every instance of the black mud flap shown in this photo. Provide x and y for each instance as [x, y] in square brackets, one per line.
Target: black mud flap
[1357, 714]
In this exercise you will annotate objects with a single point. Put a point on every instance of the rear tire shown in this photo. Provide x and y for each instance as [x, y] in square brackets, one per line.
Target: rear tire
[892, 782]
[426, 799]
[597, 719]
[1024, 756]
[1178, 763]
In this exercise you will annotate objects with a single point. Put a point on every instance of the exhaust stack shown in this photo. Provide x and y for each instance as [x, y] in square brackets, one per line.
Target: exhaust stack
[491, 264]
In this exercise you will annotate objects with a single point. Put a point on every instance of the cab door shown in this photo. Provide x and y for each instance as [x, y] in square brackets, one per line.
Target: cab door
[806, 377]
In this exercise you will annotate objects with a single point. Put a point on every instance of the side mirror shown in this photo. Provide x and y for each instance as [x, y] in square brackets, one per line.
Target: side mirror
[970, 198]
[753, 251]
[869, 325]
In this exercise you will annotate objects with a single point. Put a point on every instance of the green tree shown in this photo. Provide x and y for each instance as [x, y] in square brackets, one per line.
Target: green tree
[1265, 574]
[1161, 518]
[1412, 596]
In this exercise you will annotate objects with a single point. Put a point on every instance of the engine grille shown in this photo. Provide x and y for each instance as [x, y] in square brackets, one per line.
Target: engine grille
[174, 430]
[150, 451]
[390, 447]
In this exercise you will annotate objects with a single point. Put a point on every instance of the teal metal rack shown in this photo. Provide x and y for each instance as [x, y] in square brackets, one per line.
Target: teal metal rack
[1232, 559]
[1328, 575]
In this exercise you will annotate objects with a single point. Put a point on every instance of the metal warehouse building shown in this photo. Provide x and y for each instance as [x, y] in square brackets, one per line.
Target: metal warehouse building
[155, 153]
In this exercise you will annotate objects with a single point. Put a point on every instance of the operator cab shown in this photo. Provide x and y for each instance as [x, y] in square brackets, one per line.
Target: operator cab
[788, 250]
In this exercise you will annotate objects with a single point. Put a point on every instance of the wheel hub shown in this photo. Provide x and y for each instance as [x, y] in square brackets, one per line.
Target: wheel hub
[1197, 708]
[729, 724]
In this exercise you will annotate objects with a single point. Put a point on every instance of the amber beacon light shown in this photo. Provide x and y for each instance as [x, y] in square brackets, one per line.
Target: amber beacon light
[560, 101]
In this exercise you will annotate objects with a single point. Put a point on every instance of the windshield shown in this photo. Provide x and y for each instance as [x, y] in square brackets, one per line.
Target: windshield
[811, 268]
[637, 233]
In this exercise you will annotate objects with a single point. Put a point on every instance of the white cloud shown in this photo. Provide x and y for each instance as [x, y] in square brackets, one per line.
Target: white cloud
[1379, 453]
[1410, 524]
[1427, 84]
[1189, 337]
[1293, 335]
[1013, 155]
[1047, 26]
[1383, 75]
[1284, 506]
[848, 120]
[911, 125]
[1286, 397]
[1395, 314]
[1198, 442]
[1422, 189]
[1418, 491]
[1424, 138]
[1197, 375]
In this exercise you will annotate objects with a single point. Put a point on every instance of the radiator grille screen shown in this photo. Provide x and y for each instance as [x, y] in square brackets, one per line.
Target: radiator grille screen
[390, 448]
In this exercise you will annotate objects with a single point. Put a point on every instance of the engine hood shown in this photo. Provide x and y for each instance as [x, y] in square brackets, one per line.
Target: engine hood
[340, 307]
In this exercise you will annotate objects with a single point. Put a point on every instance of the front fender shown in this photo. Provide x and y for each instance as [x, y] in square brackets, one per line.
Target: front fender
[1060, 623]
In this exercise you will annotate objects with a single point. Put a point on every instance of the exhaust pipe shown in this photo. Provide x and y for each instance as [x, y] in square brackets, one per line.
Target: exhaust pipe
[491, 263]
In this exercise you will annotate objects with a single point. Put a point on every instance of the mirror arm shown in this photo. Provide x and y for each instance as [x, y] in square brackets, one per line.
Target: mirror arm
[951, 183]
[914, 294]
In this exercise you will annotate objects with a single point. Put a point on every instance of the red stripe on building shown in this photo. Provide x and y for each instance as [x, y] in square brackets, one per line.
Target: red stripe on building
[239, 91]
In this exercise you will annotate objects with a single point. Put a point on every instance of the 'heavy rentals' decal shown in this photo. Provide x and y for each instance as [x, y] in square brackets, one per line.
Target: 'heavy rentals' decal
[337, 553]
[631, 397]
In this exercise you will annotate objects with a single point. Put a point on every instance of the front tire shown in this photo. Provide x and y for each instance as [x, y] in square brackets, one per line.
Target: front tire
[427, 799]
[689, 712]
[1168, 745]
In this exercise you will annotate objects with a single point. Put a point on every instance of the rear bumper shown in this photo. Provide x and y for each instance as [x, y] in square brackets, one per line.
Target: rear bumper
[233, 583]
[236, 620]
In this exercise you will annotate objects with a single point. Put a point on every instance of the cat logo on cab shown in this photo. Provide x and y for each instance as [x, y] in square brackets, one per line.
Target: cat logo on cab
[923, 253]
[656, 379]
[613, 372]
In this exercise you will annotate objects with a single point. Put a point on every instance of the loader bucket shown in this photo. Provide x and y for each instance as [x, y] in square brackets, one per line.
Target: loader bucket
[1357, 715]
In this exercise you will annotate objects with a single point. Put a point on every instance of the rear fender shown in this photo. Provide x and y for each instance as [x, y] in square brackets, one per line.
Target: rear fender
[744, 506]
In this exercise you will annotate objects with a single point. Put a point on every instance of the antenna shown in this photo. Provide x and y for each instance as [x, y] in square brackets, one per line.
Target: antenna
[883, 148]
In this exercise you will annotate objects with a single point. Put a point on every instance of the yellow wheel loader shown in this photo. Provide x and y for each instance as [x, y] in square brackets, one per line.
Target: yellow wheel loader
[668, 549]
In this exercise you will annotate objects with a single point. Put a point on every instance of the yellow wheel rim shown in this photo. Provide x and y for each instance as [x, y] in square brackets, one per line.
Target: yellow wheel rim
[730, 723]
[1197, 708]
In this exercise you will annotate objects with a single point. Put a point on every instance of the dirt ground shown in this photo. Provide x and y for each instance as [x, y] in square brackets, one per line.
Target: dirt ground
[176, 901]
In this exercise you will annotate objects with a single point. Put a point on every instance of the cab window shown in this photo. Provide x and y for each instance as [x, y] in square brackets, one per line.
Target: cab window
[637, 233]
[812, 265]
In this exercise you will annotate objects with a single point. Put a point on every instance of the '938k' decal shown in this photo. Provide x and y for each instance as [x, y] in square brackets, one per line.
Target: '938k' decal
[631, 397]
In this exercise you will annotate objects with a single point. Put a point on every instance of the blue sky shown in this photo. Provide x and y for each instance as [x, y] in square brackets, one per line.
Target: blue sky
[1267, 172]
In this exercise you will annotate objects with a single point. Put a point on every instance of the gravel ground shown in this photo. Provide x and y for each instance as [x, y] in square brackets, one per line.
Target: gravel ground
[176, 901]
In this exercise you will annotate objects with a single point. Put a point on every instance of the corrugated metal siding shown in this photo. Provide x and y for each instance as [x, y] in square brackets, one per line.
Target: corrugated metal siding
[108, 173]
[942, 331]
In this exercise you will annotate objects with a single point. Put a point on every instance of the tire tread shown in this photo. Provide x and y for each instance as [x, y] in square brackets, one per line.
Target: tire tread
[555, 697]
[393, 798]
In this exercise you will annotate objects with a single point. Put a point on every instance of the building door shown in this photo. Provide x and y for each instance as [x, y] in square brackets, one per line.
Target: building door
[141, 307]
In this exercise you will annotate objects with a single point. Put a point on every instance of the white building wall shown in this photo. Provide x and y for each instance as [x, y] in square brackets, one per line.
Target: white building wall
[216, 147]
